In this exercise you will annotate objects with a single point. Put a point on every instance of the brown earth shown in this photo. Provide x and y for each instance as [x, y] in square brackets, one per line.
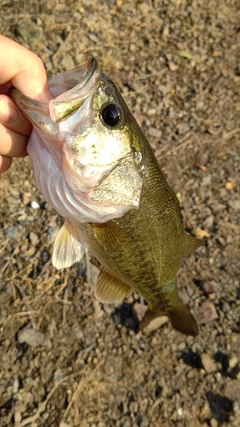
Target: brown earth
[66, 360]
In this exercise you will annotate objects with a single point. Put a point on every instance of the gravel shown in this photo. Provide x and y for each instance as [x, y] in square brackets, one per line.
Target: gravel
[65, 359]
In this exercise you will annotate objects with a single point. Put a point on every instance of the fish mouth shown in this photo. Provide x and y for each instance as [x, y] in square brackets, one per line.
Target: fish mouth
[73, 89]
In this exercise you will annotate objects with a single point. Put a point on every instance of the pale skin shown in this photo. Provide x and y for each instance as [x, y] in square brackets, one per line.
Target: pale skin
[25, 71]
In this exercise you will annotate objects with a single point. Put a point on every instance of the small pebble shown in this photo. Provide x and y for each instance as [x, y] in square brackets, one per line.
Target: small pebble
[180, 412]
[26, 198]
[133, 407]
[52, 233]
[155, 324]
[207, 179]
[209, 221]
[30, 32]
[98, 311]
[142, 346]
[34, 205]
[34, 239]
[232, 390]
[33, 337]
[144, 7]
[236, 343]
[12, 232]
[15, 385]
[207, 287]
[58, 375]
[45, 415]
[233, 361]
[138, 311]
[208, 363]
[234, 204]
[156, 133]
[117, 318]
[214, 422]
[206, 312]
[184, 296]
[172, 66]
[17, 417]
[229, 185]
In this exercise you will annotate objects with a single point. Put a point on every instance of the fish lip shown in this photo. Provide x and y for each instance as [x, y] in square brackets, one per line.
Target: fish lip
[92, 66]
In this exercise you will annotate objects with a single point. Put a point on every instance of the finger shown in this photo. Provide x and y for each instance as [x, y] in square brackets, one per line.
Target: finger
[5, 163]
[11, 116]
[24, 69]
[15, 144]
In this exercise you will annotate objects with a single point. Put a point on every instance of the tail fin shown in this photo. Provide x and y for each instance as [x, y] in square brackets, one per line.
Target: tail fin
[182, 320]
[180, 317]
[178, 313]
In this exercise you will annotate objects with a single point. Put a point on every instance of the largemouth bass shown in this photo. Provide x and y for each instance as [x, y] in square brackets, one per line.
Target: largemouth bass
[92, 162]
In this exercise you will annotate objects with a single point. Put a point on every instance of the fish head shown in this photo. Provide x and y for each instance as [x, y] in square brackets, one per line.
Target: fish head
[85, 159]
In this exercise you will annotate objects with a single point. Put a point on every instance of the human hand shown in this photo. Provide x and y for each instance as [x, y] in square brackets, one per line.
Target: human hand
[24, 70]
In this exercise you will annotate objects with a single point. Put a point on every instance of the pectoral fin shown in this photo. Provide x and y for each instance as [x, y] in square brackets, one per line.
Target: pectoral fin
[109, 289]
[67, 248]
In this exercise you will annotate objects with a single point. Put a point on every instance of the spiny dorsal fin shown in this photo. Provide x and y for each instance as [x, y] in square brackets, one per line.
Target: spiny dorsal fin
[67, 248]
[109, 289]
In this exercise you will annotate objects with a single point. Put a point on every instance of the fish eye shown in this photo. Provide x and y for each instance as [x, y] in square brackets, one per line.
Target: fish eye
[111, 115]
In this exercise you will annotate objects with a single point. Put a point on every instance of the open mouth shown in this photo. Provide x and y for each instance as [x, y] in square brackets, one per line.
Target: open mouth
[74, 88]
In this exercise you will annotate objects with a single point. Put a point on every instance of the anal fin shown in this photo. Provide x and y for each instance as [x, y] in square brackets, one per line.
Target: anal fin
[108, 289]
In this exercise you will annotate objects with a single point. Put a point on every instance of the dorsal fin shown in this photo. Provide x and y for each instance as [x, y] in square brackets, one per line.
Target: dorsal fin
[191, 244]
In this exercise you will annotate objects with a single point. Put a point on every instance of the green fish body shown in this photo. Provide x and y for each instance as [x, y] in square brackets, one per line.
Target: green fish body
[92, 162]
[144, 249]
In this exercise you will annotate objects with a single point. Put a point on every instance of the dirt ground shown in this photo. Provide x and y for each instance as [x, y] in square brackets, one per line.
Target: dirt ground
[66, 360]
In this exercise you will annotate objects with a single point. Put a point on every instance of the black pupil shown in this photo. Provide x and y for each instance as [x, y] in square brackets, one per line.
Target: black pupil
[111, 115]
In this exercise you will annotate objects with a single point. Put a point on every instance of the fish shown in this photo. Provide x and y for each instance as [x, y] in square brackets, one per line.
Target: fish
[93, 164]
